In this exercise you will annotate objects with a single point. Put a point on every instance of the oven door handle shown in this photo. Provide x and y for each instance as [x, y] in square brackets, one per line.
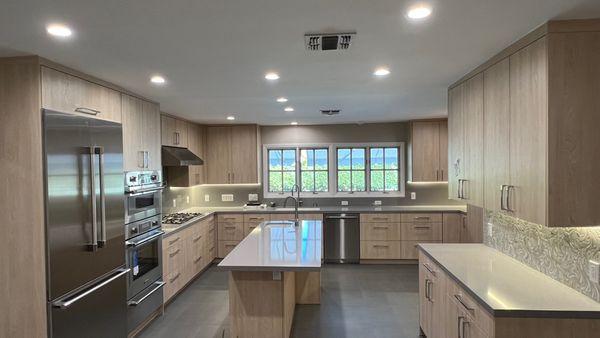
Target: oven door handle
[136, 302]
[145, 240]
[142, 192]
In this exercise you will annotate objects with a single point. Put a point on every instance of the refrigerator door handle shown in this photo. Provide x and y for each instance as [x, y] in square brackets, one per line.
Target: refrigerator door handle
[66, 303]
[102, 242]
[93, 246]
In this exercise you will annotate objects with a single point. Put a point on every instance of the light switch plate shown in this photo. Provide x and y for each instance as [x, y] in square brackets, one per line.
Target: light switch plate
[344, 202]
[227, 198]
[206, 198]
[174, 203]
[594, 271]
[253, 197]
[187, 199]
[377, 203]
[413, 195]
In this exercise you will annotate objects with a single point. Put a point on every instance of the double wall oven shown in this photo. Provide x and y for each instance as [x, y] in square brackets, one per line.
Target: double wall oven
[143, 242]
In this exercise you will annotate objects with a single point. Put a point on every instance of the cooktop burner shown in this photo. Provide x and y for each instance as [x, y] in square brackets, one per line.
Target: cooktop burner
[180, 217]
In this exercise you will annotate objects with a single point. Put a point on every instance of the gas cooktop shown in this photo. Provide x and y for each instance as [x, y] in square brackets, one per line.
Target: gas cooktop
[180, 217]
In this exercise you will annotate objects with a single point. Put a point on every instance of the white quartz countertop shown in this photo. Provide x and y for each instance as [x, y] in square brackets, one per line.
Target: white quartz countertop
[278, 246]
[507, 287]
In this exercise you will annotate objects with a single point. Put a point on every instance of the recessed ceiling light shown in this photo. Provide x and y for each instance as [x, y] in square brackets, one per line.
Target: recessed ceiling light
[231, 118]
[294, 123]
[282, 99]
[59, 30]
[288, 109]
[419, 12]
[157, 79]
[272, 76]
[381, 72]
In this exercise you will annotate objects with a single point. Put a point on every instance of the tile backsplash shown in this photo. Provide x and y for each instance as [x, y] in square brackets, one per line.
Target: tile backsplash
[561, 253]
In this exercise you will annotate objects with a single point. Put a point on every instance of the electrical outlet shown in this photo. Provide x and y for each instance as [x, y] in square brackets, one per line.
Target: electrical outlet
[490, 230]
[344, 202]
[594, 271]
[226, 197]
[187, 199]
[377, 203]
[253, 197]
[206, 198]
[174, 203]
[413, 195]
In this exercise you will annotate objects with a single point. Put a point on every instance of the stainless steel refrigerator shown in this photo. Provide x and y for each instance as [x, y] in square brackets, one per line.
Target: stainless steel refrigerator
[86, 275]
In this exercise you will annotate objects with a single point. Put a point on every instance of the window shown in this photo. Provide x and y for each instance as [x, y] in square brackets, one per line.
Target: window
[314, 170]
[282, 170]
[351, 169]
[385, 171]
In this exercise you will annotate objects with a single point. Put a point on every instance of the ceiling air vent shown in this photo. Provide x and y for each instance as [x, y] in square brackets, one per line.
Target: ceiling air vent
[329, 41]
[330, 112]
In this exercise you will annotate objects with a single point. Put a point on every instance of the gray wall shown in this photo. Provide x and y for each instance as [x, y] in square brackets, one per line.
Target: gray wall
[336, 133]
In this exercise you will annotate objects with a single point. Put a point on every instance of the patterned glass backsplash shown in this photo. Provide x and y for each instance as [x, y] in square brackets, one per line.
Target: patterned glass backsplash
[561, 253]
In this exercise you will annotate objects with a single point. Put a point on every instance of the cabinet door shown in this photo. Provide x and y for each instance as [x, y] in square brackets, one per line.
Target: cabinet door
[133, 130]
[196, 144]
[424, 302]
[496, 128]
[472, 189]
[443, 163]
[528, 132]
[181, 131]
[425, 151]
[71, 94]
[456, 140]
[151, 135]
[217, 156]
[244, 154]
[167, 131]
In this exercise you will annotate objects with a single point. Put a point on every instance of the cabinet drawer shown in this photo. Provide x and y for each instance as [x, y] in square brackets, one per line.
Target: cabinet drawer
[311, 217]
[230, 218]
[476, 313]
[172, 240]
[421, 231]
[248, 227]
[173, 283]
[283, 217]
[379, 231]
[379, 218]
[379, 249]
[231, 231]
[421, 218]
[256, 218]
[409, 249]
[173, 258]
[71, 94]
[225, 247]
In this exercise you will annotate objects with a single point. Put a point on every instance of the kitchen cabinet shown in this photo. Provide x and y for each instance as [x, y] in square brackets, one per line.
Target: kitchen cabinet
[174, 132]
[432, 294]
[232, 154]
[71, 94]
[141, 134]
[456, 140]
[429, 151]
[188, 176]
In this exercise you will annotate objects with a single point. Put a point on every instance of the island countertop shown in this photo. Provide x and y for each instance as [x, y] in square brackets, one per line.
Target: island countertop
[278, 246]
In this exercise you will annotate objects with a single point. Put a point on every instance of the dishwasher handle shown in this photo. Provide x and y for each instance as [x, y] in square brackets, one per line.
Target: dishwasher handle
[341, 217]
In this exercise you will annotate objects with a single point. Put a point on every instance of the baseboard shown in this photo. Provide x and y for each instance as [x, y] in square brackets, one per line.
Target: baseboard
[390, 261]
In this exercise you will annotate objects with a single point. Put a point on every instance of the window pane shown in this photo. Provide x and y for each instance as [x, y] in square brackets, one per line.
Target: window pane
[321, 159]
[274, 159]
[358, 158]
[275, 181]
[307, 159]
[376, 158]
[344, 183]
[343, 158]
[391, 158]
[391, 180]
[289, 159]
[377, 180]
[321, 181]
[289, 179]
[358, 181]
[308, 183]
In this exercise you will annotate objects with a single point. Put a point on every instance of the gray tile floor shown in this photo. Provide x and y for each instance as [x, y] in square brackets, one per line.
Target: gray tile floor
[362, 301]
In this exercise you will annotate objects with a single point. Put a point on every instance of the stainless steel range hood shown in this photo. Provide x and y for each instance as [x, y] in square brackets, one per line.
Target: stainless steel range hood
[179, 157]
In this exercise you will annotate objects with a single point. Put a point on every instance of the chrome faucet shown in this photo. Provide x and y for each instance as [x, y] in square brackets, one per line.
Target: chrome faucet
[296, 203]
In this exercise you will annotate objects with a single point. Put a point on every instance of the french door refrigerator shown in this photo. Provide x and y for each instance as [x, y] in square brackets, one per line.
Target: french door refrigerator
[86, 274]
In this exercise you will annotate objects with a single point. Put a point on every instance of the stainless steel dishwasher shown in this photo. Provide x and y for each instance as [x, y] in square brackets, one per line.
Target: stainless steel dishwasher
[342, 238]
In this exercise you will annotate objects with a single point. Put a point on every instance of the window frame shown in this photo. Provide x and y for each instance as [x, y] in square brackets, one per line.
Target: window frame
[314, 170]
[268, 171]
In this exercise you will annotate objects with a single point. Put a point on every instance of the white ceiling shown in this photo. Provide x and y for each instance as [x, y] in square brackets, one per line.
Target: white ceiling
[214, 53]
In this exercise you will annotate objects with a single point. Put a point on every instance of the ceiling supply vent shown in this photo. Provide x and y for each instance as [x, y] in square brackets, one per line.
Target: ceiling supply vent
[328, 41]
[330, 112]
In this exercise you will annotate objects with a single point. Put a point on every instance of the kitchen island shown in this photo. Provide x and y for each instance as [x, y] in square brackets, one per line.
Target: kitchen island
[274, 268]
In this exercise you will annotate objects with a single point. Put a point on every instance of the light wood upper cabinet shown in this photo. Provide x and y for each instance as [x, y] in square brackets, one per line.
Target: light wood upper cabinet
[429, 151]
[232, 154]
[187, 176]
[456, 140]
[71, 94]
[141, 134]
[174, 132]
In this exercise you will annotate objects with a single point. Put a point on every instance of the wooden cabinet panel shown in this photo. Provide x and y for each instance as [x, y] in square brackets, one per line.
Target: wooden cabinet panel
[167, 131]
[230, 231]
[380, 231]
[380, 218]
[410, 250]
[230, 218]
[151, 137]
[181, 129]
[443, 151]
[456, 162]
[454, 228]
[244, 154]
[473, 144]
[256, 218]
[225, 247]
[420, 217]
[71, 94]
[218, 159]
[421, 231]
[425, 144]
[425, 310]
[380, 250]
[311, 217]
[133, 139]
[282, 217]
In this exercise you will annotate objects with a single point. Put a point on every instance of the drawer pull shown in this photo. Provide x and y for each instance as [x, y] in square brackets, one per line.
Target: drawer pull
[175, 277]
[211, 230]
[422, 217]
[381, 218]
[197, 239]
[422, 227]
[197, 260]
[381, 227]
[462, 302]
[256, 218]
[174, 253]
[231, 228]
[429, 269]
[381, 246]
[230, 245]
[173, 241]
[211, 249]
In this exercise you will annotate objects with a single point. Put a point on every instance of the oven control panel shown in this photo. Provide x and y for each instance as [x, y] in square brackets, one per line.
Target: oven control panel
[139, 179]
[143, 226]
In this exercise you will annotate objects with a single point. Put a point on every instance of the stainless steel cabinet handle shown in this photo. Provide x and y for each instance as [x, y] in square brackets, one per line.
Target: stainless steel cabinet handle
[437, 174]
[422, 227]
[93, 246]
[196, 239]
[136, 302]
[381, 246]
[430, 269]
[458, 189]
[64, 304]
[88, 111]
[174, 253]
[175, 277]
[173, 241]
[509, 188]
[462, 189]
[442, 175]
[422, 218]
[232, 177]
[461, 327]
[427, 289]
[502, 197]
[197, 260]
[462, 302]
[381, 227]
[100, 152]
